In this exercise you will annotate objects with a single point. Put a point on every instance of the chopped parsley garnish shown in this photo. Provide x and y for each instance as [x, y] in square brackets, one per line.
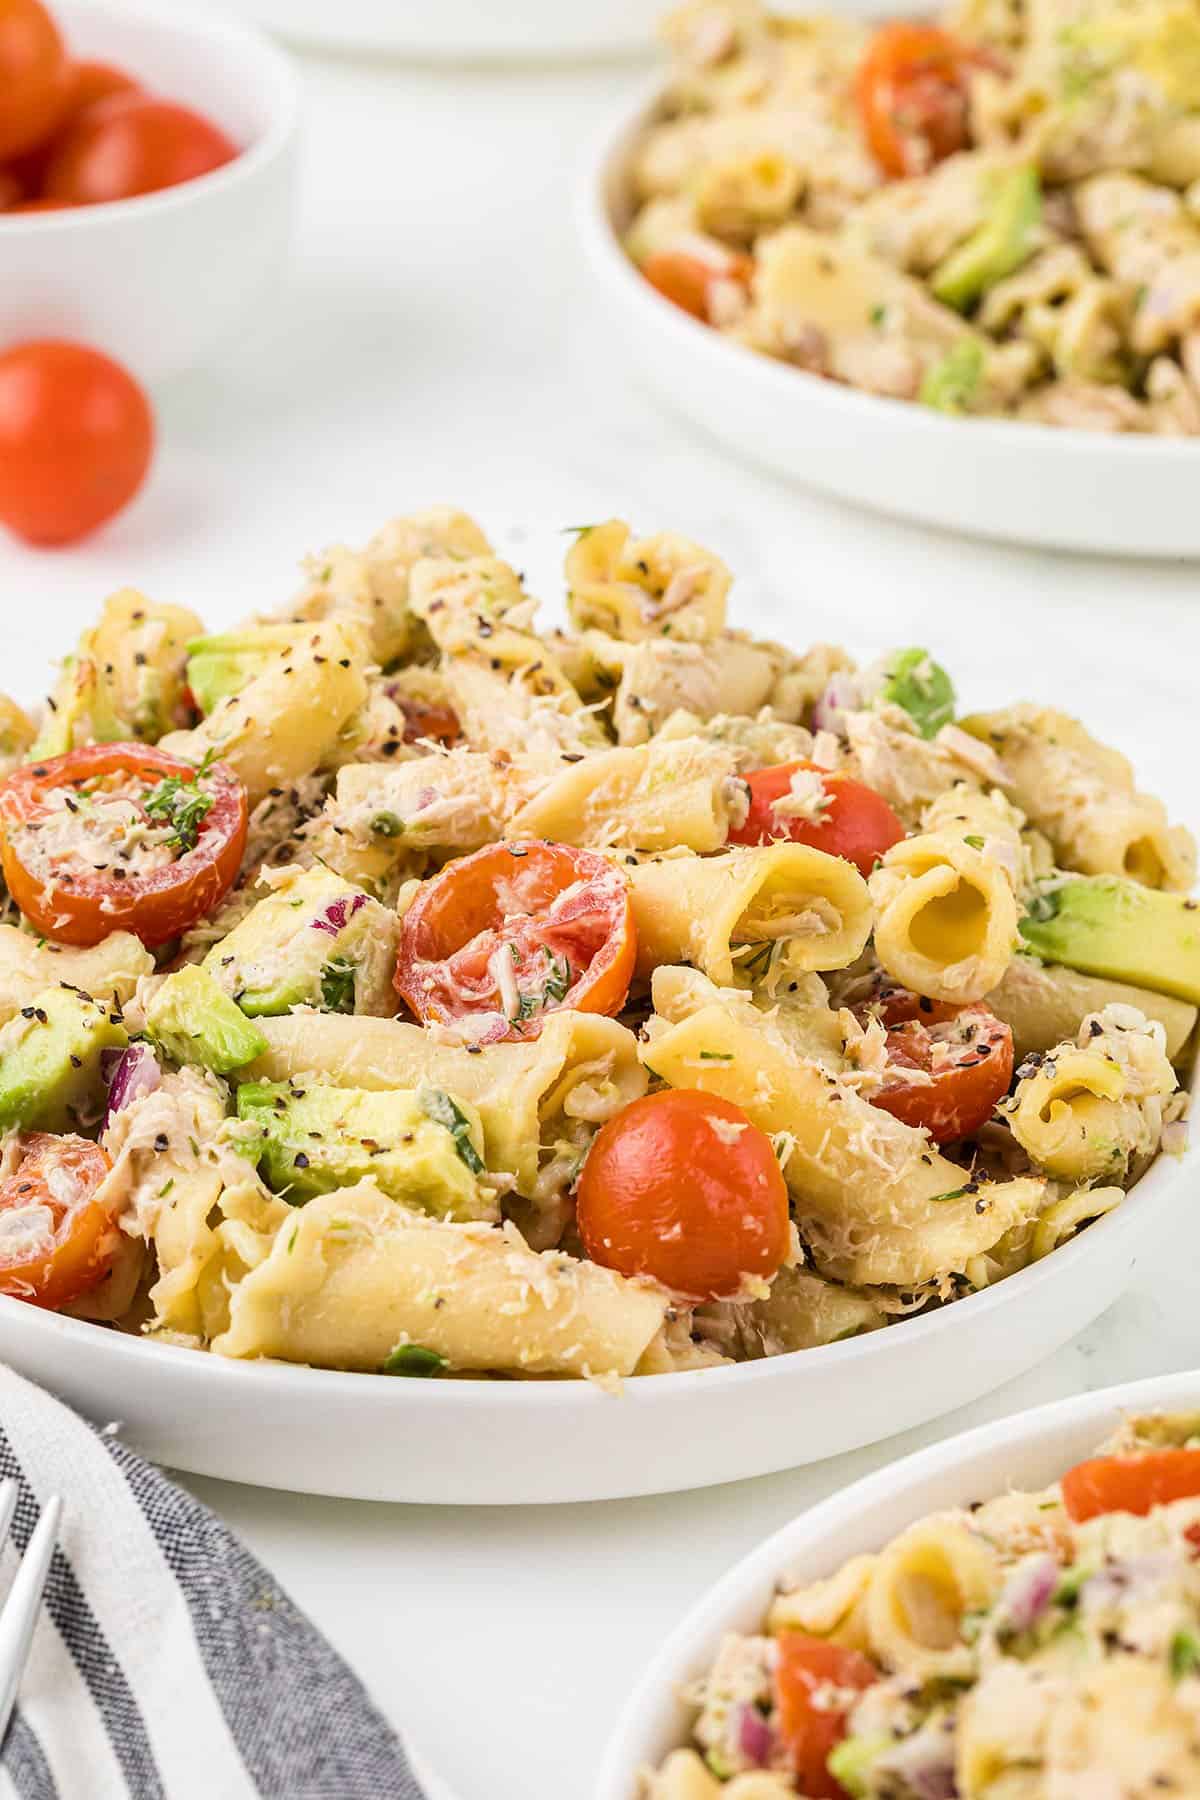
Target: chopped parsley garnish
[556, 987]
[438, 1106]
[716, 1056]
[954, 1194]
[337, 985]
[413, 1359]
[976, 843]
[181, 805]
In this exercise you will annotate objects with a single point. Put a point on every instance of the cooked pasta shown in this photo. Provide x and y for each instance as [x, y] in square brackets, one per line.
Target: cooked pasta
[987, 214]
[1027, 1646]
[390, 985]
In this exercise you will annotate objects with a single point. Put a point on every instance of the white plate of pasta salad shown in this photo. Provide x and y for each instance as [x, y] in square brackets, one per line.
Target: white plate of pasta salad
[1013, 1613]
[428, 1041]
[947, 266]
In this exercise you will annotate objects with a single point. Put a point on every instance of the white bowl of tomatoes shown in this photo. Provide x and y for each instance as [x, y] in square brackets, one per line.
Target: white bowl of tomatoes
[152, 207]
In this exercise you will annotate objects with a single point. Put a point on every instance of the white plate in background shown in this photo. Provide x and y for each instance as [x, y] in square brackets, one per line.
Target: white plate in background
[1029, 1451]
[997, 478]
[462, 30]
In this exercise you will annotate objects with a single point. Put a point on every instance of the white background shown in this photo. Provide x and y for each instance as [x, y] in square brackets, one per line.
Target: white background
[434, 340]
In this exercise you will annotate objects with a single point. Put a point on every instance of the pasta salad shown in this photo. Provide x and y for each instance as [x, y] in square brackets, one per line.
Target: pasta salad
[1026, 1647]
[997, 213]
[389, 985]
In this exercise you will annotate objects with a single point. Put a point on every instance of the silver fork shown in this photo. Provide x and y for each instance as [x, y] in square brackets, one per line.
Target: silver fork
[20, 1612]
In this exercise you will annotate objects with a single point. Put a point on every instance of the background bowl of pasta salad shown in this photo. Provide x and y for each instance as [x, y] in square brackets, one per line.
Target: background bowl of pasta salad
[1022, 1454]
[803, 299]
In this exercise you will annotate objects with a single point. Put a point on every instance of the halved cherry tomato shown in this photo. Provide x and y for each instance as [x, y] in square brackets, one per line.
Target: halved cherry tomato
[76, 439]
[808, 1670]
[120, 837]
[71, 1240]
[35, 83]
[133, 143]
[912, 97]
[966, 1050]
[514, 932]
[1130, 1484]
[690, 282]
[424, 719]
[682, 1187]
[855, 822]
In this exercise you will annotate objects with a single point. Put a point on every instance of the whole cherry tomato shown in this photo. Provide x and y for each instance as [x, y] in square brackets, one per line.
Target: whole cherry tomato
[87, 83]
[912, 97]
[72, 1238]
[76, 438]
[133, 143]
[853, 822]
[34, 76]
[682, 1187]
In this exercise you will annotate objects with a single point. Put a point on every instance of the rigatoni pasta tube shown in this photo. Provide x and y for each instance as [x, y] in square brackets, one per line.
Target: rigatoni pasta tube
[352, 1275]
[694, 909]
[287, 719]
[655, 796]
[580, 1065]
[874, 1201]
[946, 917]
[1093, 1105]
[111, 969]
[921, 1586]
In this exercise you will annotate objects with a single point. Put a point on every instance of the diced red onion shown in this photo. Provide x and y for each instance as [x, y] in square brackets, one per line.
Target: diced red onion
[134, 1073]
[924, 1763]
[1028, 1592]
[1175, 1137]
[840, 694]
[755, 1737]
[335, 916]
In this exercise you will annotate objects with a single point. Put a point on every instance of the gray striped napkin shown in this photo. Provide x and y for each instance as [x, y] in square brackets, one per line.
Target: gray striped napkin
[167, 1664]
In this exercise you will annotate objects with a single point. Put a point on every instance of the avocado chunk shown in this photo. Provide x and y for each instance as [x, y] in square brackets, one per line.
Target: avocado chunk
[315, 941]
[1004, 241]
[912, 680]
[851, 1762]
[951, 384]
[222, 665]
[421, 1146]
[50, 1054]
[194, 1021]
[1103, 925]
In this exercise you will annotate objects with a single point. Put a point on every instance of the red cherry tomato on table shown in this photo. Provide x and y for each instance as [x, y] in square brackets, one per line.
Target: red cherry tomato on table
[133, 144]
[120, 837]
[855, 823]
[912, 97]
[1130, 1484]
[72, 1239]
[966, 1050]
[76, 438]
[691, 282]
[34, 76]
[807, 1669]
[682, 1187]
[514, 932]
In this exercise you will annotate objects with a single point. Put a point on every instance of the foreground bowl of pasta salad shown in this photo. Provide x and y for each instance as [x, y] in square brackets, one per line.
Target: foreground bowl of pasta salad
[830, 236]
[1015, 1612]
[390, 988]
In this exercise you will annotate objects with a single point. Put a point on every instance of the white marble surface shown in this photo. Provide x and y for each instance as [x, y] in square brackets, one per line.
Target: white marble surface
[434, 340]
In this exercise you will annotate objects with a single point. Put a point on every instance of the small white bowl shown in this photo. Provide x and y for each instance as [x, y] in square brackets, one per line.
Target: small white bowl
[998, 478]
[158, 281]
[1029, 1450]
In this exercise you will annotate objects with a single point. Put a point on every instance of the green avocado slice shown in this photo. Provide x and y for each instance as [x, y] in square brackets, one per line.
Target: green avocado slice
[1104, 925]
[194, 1021]
[1001, 244]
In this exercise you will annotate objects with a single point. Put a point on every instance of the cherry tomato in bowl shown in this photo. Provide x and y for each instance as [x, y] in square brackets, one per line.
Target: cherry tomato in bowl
[130, 144]
[681, 1186]
[120, 837]
[849, 820]
[35, 77]
[947, 1065]
[809, 1669]
[76, 440]
[912, 97]
[69, 1240]
[516, 931]
[1130, 1484]
[693, 283]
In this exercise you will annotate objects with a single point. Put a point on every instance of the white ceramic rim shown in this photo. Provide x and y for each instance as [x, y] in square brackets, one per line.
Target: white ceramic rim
[249, 50]
[763, 1566]
[604, 177]
[265, 1378]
